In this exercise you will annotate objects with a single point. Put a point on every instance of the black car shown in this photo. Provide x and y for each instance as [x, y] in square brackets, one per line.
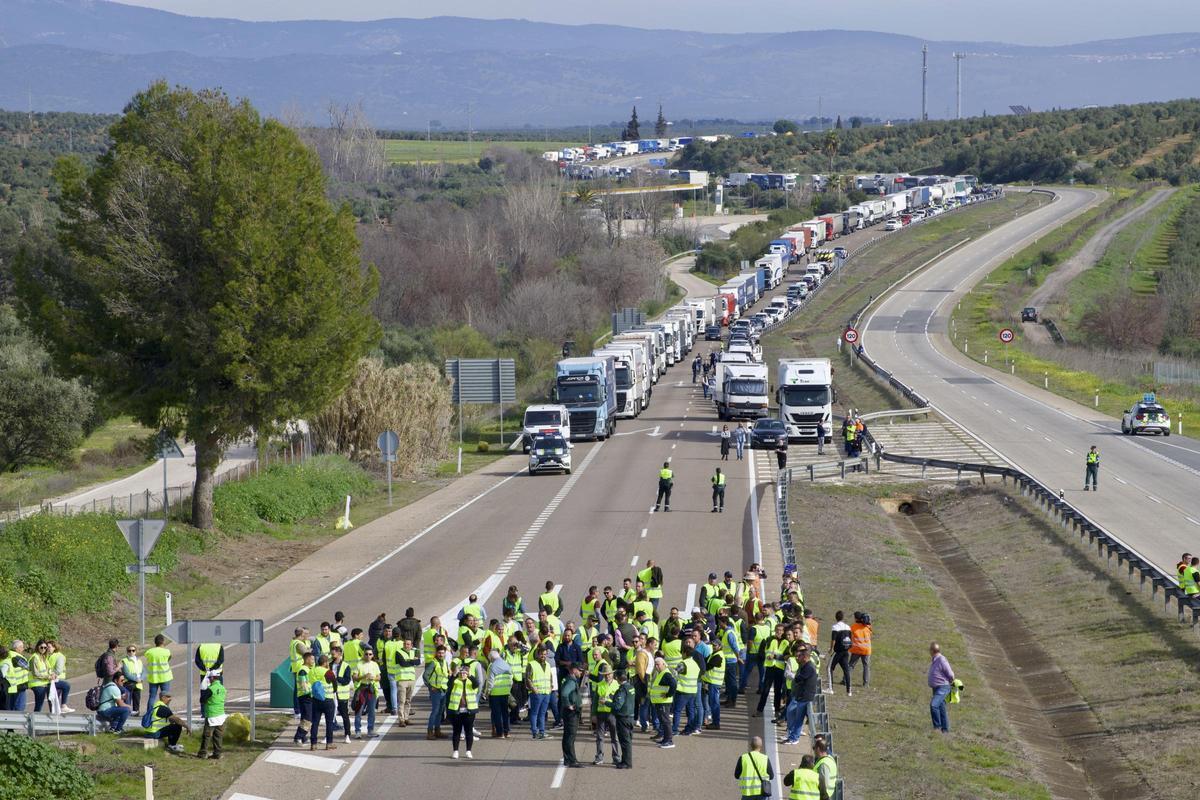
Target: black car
[712, 333]
[1029, 314]
[767, 434]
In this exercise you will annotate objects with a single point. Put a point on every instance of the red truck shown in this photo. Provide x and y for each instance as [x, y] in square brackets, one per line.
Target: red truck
[831, 230]
[726, 309]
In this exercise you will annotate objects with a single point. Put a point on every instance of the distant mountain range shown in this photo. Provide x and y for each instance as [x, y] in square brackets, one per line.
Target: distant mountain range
[92, 55]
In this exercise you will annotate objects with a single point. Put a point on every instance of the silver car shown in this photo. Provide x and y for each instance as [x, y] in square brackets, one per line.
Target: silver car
[1146, 417]
[550, 453]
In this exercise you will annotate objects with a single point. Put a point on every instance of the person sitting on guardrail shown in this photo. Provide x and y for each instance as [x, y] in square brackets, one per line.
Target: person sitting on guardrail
[113, 708]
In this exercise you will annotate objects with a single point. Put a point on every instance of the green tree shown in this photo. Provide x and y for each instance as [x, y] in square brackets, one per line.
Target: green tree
[660, 124]
[785, 126]
[206, 283]
[42, 417]
[829, 146]
[838, 125]
[631, 132]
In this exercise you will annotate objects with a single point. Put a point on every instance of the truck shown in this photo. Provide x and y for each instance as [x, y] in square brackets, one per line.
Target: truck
[705, 310]
[727, 307]
[783, 247]
[832, 229]
[755, 275]
[753, 289]
[772, 266]
[687, 321]
[797, 240]
[852, 220]
[587, 386]
[805, 395]
[656, 356]
[542, 419]
[740, 391]
[815, 229]
[631, 377]
[668, 342]
[736, 179]
[737, 288]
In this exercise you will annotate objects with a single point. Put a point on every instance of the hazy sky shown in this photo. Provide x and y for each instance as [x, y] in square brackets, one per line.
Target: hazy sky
[1016, 21]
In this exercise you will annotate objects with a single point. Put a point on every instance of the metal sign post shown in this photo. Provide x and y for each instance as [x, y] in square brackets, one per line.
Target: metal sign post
[220, 631]
[388, 441]
[481, 380]
[141, 534]
[167, 448]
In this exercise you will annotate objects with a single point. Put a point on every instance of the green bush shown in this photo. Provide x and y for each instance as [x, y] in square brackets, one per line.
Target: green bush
[481, 447]
[287, 494]
[29, 768]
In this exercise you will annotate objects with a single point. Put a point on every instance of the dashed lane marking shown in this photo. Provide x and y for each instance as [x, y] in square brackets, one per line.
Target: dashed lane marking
[644, 531]
[690, 603]
[633, 562]
[305, 761]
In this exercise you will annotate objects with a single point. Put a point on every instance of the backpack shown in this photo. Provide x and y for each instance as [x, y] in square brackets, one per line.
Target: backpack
[92, 698]
[102, 666]
[318, 691]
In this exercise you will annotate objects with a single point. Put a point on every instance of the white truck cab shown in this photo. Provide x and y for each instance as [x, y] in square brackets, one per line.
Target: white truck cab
[543, 419]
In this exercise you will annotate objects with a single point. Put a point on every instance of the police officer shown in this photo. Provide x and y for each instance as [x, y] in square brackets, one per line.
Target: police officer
[666, 479]
[718, 491]
[1093, 468]
[622, 709]
[570, 706]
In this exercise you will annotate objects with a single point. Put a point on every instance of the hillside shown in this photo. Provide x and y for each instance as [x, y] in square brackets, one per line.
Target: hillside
[91, 55]
[1143, 142]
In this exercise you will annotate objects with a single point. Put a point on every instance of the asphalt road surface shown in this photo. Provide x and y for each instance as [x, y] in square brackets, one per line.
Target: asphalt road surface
[1148, 485]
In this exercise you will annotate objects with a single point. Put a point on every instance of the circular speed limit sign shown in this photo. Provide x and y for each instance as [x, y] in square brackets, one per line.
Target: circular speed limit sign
[1006, 335]
[851, 336]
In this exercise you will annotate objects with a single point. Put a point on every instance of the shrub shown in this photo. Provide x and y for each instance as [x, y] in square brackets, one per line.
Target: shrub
[286, 494]
[481, 447]
[29, 768]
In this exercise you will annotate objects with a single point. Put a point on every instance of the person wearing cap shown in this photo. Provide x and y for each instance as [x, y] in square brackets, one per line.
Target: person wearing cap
[366, 688]
[341, 688]
[623, 702]
[662, 686]
[602, 715]
[570, 707]
[860, 645]
[436, 677]
[498, 689]
[652, 576]
[212, 708]
[666, 479]
[305, 677]
[324, 704]
[165, 723]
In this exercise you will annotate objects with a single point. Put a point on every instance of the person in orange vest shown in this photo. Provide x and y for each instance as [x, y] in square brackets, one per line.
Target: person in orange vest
[860, 644]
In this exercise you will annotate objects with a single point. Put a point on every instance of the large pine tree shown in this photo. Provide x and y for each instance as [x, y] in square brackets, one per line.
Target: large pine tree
[632, 130]
[660, 124]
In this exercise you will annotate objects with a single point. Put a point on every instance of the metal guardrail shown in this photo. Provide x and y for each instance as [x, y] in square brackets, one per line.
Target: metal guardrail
[40, 723]
[900, 412]
[1055, 333]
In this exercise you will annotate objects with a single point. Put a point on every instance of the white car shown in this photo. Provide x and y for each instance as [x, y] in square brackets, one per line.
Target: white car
[893, 225]
[1146, 417]
[549, 453]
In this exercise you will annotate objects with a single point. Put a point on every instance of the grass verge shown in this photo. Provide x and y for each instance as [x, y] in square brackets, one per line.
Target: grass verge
[883, 731]
[816, 330]
[996, 301]
[410, 151]
[1135, 667]
[118, 768]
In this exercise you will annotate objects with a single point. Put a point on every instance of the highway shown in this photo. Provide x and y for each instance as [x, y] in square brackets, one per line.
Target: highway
[1148, 485]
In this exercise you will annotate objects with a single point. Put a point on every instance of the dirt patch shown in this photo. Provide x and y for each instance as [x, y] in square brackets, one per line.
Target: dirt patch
[1060, 731]
[1161, 149]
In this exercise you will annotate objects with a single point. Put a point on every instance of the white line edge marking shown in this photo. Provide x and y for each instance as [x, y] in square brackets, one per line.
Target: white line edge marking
[633, 563]
[559, 773]
[644, 530]
[769, 734]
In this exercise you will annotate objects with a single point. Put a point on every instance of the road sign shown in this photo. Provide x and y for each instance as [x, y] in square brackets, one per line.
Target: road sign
[220, 631]
[167, 446]
[851, 336]
[141, 534]
[1006, 335]
[482, 380]
[388, 441]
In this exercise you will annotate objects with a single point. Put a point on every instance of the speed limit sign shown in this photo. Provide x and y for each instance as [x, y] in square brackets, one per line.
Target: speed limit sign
[1006, 335]
[851, 336]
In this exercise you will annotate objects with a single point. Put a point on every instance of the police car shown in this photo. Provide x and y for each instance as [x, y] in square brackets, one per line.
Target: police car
[1146, 417]
[549, 452]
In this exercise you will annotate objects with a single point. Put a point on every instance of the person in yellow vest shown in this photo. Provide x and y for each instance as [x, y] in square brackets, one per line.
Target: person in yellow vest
[324, 702]
[210, 657]
[135, 674]
[1189, 578]
[498, 690]
[718, 491]
[305, 676]
[1093, 469]
[437, 680]
[541, 679]
[366, 677]
[39, 674]
[753, 771]
[472, 608]
[687, 692]
[666, 479]
[774, 654]
[713, 679]
[661, 686]
[58, 671]
[402, 670]
[163, 723]
[352, 649]
[517, 656]
[471, 634]
[324, 641]
[652, 577]
[803, 781]
[602, 714]
[589, 606]
[387, 681]
[549, 600]
[297, 647]
[462, 703]
[428, 644]
[826, 767]
[342, 689]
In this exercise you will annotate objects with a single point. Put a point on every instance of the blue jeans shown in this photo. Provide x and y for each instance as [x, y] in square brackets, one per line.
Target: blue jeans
[39, 696]
[712, 692]
[16, 700]
[937, 708]
[692, 703]
[368, 707]
[115, 716]
[64, 690]
[732, 673]
[795, 714]
[393, 695]
[158, 689]
[500, 720]
[437, 709]
[538, 703]
[552, 704]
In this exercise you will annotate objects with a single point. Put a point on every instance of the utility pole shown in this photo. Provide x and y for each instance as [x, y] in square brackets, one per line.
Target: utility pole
[924, 81]
[820, 116]
[470, 150]
[958, 59]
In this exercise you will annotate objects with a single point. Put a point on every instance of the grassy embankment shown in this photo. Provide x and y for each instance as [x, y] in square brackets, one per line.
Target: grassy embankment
[410, 151]
[885, 745]
[815, 331]
[996, 303]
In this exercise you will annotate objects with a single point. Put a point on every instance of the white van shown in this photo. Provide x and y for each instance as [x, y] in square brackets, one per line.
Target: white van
[545, 419]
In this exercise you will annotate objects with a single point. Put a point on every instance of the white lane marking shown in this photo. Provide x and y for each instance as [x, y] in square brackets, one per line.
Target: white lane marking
[1047, 438]
[633, 562]
[305, 761]
[674, 445]
[690, 602]
[1153, 499]
[1010, 419]
[241, 796]
[1193, 521]
[769, 735]
[1028, 428]
[1069, 450]
[1120, 480]
[559, 774]
[372, 566]
[644, 530]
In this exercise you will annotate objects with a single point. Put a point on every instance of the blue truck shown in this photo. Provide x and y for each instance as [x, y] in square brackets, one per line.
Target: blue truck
[737, 288]
[760, 280]
[785, 248]
[587, 386]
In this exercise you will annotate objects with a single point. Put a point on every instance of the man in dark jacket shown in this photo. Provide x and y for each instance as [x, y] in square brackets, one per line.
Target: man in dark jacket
[805, 685]
[410, 627]
[570, 708]
[622, 709]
